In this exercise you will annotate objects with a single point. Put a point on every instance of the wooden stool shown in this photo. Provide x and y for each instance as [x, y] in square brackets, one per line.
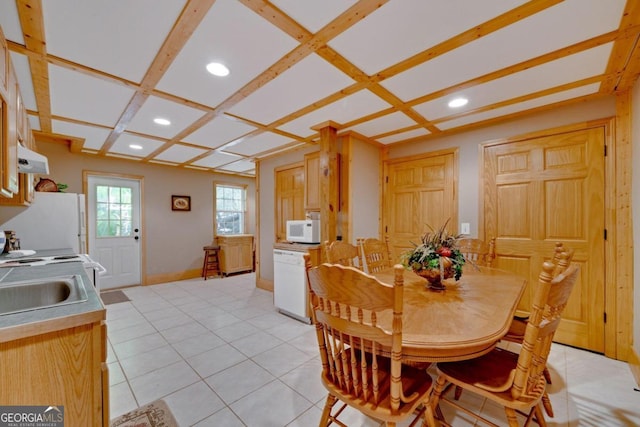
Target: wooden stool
[211, 266]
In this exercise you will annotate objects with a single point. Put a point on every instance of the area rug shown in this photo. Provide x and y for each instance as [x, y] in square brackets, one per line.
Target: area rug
[154, 414]
[113, 297]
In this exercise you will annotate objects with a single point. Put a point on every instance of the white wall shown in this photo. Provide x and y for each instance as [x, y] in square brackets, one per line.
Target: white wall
[469, 146]
[365, 191]
[635, 207]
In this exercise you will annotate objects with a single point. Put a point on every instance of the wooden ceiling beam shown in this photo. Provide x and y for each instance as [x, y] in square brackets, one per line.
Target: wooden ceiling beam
[309, 43]
[192, 14]
[525, 65]
[625, 50]
[495, 24]
[32, 22]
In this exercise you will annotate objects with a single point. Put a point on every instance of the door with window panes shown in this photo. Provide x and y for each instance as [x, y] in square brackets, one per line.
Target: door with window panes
[114, 229]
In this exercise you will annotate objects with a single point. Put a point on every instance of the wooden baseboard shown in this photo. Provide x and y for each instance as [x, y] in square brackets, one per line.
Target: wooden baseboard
[267, 285]
[172, 277]
[634, 365]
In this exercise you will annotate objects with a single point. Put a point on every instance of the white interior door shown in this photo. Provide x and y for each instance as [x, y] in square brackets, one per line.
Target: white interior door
[114, 229]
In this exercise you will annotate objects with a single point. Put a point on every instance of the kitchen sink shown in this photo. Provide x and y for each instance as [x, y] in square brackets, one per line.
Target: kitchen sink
[42, 293]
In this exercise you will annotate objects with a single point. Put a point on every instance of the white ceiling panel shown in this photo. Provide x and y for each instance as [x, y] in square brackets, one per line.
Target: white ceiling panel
[179, 153]
[532, 103]
[10, 22]
[224, 36]
[361, 103]
[257, 144]
[121, 145]
[216, 159]
[244, 166]
[563, 24]
[384, 124]
[94, 137]
[403, 136]
[581, 65]
[400, 29]
[309, 80]
[23, 72]
[106, 34]
[34, 121]
[86, 98]
[179, 115]
[313, 15]
[218, 132]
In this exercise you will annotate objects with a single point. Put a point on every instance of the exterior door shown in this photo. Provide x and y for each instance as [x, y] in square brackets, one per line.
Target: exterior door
[419, 193]
[114, 229]
[543, 190]
[289, 198]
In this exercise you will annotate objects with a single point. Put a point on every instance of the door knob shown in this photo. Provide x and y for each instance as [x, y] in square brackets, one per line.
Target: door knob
[136, 230]
[137, 237]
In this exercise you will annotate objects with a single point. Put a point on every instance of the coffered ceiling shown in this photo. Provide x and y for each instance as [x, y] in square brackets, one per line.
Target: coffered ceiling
[98, 72]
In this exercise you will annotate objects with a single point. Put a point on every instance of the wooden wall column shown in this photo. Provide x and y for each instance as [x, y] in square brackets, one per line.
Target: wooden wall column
[329, 180]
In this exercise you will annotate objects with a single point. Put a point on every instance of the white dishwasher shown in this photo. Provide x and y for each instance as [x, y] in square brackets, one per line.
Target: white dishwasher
[290, 293]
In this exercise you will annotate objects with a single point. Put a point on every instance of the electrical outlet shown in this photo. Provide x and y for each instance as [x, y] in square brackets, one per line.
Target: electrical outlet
[465, 228]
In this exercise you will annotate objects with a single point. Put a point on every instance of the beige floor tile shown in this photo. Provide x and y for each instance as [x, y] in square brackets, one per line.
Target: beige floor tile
[274, 405]
[216, 360]
[224, 417]
[239, 380]
[162, 382]
[193, 403]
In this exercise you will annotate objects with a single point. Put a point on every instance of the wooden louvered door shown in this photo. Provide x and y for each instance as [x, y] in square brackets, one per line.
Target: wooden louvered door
[547, 189]
[419, 193]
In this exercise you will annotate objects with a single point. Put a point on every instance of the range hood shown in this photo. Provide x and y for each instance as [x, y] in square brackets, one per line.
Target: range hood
[31, 162]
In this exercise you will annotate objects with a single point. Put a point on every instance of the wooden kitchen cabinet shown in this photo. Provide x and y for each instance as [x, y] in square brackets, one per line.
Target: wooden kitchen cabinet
[65, 367]
[4, 63]
[236, 253]
[9, 140]
[312, 182]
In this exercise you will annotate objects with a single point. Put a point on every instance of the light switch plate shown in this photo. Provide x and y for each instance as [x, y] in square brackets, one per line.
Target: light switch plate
[465, 228]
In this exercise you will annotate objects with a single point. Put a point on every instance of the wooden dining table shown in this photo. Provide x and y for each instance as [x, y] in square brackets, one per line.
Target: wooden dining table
[464, 321]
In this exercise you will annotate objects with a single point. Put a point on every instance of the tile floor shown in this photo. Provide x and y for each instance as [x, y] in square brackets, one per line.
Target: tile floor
[220, 355]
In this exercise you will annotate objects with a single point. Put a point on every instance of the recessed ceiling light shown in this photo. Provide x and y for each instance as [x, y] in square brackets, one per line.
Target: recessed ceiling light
[161, 121]
[217, 69]
[135, 146]
[458, 102]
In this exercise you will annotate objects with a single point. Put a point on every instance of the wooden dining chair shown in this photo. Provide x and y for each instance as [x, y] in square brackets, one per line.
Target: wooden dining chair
[561, 259]
[352, 331]
[514, 380]
[376, 253]
[477, 251]
[339, 252]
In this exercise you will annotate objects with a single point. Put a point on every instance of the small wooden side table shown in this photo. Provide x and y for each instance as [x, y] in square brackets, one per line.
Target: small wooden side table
[211, 265]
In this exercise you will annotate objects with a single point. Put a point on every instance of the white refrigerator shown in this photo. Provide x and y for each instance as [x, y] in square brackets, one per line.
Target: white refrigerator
[52, 221]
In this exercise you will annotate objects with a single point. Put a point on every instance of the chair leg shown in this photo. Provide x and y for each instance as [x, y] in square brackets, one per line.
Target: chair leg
[435, 397]
[511, 417]
[457, 393]
[547, 375]
[540, 416]
[428, 419]
[546, 402]
[326, 412]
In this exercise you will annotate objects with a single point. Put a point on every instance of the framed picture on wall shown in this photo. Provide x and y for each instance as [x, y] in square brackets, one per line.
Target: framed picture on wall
[180, 203]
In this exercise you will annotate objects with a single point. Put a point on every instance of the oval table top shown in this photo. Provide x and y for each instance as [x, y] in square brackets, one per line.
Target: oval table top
[464, 321]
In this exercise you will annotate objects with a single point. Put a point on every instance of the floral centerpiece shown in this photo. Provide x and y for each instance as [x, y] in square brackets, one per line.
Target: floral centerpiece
[436, 258]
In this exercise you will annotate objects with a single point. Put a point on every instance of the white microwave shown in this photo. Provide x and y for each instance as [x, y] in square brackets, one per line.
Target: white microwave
[303, 231]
